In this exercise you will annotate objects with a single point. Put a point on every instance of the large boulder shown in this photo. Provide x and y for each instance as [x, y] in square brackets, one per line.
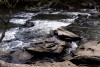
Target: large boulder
[91, 48]
[88, 55]
[52, 45]
[66, 35]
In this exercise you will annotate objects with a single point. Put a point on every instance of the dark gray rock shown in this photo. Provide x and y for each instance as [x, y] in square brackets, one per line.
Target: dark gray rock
[28, 24]
[21, 56]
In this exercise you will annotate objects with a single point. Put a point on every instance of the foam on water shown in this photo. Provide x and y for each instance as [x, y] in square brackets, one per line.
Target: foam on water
[0, 33]
[9, 35]
[46, 25]
[24, 15]
[17, 36]
[42, 28]
[18, 21]
[76, 13]
[74, 46]
[14, 45]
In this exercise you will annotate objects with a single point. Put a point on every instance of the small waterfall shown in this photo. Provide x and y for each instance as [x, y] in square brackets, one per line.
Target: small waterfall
[74, 46]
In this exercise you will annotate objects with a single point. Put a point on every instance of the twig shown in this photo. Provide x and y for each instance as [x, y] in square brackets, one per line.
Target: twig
[15, 4]
[3, 20]
[6, 26]
[10, 5]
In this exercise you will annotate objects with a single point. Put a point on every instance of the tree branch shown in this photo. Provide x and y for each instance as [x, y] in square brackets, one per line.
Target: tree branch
[3, 20]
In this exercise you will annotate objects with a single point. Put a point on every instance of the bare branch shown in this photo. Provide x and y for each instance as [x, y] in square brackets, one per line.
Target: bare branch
[3, 20]
[6, 26]
[15, 3]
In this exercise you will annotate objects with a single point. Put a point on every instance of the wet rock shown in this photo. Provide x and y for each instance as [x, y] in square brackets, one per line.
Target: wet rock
[83, 16]
[6, 58]
[52, 45]
[28, 24]
[66, 35]
[21, 56]
[95, 14]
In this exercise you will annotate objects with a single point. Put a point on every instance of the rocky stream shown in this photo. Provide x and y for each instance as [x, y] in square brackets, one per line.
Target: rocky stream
[51, 38]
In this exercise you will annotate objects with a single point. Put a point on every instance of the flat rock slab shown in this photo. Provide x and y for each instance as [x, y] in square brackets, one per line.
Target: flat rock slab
[91, 48]
[61, 31]
[57, 64]
[88, 55]
[52, 45]
[66, 35]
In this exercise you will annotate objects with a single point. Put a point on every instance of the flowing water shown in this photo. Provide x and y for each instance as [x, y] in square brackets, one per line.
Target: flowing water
[43, 21]
[31, 27]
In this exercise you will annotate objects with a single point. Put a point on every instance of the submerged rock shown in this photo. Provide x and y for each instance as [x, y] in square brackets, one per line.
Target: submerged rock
[28, 24]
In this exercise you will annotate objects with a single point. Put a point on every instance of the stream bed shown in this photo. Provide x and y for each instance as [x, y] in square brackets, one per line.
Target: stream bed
[27, 28]
[34, 25]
